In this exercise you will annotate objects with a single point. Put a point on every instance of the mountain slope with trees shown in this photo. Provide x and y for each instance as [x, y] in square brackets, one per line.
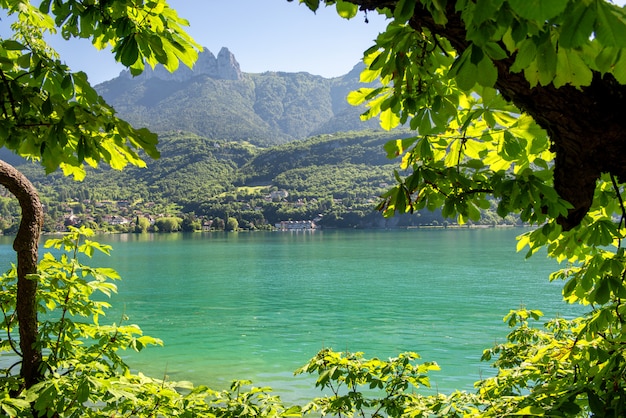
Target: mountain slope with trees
[263, 109]
[336, 178]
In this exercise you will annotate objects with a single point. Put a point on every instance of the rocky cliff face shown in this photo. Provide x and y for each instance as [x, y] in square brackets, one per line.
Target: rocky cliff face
[224, 67]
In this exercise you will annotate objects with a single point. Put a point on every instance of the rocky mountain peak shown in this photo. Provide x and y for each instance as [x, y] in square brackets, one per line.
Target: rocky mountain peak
[227, 65]
[224, 67]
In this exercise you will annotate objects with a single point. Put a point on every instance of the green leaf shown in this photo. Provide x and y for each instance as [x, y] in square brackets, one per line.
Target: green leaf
[570, 287]
[129, 51]
[404, 10]
[571, 69]
[346, 10]
[494, 51]
[69, 117]
[619, 70]
[610, 27]
[577, 26]
[464, 71]
[538, 10]
[602, 292]
[388, 119]
[485, 10]
[10, 412]
[526, 54]
[11, 45]
[487, 73]
[24, 61]
[44, 6]
[546, 62]
[596, 404]
[311, 4]
[46, 107]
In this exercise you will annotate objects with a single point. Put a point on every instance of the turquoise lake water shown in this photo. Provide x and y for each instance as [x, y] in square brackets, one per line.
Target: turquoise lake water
[259, 305]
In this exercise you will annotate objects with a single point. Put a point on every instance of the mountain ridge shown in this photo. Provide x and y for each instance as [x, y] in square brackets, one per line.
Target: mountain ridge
[217, 100]
[224, 67]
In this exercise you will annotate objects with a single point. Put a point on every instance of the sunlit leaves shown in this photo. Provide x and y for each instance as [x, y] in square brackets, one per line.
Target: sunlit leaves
[348, 375]
[55, 116]
[389, 119]
[346, 10]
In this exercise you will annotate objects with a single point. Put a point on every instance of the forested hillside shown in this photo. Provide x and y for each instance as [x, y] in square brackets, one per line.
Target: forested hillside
[263, 109]
[237, 150]
[333, 179]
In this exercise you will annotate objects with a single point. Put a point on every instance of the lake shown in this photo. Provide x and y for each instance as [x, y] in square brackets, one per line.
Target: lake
[259, 305]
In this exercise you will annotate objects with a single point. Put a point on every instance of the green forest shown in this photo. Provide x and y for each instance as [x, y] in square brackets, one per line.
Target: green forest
[199, 184]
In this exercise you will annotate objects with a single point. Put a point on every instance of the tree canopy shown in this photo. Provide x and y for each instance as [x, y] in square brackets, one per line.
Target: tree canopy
[559, 62]
[52, 114]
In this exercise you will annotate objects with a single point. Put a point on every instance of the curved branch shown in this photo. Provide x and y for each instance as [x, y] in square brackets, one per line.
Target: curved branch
[26, 246]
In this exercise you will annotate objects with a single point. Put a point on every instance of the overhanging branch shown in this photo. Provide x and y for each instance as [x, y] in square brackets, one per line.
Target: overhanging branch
[586, 125]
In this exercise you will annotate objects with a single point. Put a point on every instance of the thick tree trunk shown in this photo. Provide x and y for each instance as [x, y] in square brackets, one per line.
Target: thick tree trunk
[586, 126]
[26, 246]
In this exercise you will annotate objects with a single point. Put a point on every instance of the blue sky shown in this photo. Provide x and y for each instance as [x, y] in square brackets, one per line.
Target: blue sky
[264, 35]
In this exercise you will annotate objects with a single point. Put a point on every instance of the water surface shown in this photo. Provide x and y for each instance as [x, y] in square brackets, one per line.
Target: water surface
[259, 305]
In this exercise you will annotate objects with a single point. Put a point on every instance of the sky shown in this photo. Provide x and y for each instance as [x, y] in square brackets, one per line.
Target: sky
[264, 35]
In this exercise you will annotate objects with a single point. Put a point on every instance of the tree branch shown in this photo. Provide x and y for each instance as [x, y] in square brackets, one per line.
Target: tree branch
[26, 246]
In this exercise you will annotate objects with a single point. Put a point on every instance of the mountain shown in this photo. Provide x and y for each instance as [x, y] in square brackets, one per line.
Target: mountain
[259, 148]
[222, 67]
[217, 100]
[337, 177]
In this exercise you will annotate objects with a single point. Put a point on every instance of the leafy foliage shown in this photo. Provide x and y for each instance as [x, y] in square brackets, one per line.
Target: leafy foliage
[349, 376]
[54, 115]
[448, 70]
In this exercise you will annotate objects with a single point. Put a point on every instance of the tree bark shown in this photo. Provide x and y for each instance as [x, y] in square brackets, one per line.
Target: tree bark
[587, 127]
[26, 246]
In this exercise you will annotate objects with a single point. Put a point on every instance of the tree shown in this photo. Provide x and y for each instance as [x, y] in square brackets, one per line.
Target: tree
[218, 224]
[518, 104]
[515, 103]
[142, 224]
[50, 114]
[190, 223]
[232, 224]
[168, 224]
